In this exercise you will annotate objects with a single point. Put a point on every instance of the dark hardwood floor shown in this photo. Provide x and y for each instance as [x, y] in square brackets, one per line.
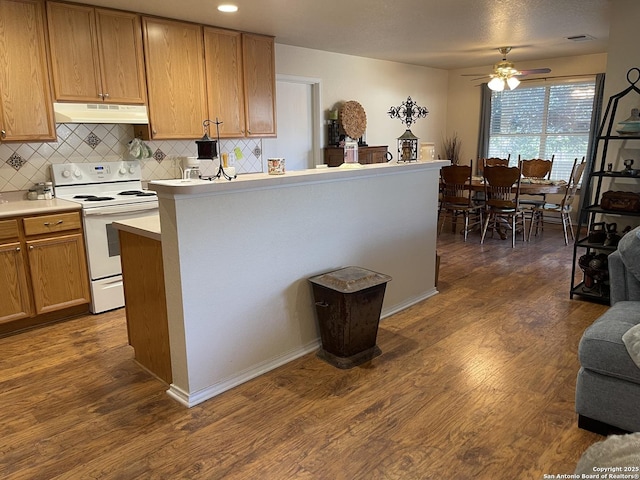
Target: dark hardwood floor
[476, 382]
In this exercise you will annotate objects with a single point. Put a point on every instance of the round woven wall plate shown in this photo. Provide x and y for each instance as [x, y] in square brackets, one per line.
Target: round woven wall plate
[353, 119]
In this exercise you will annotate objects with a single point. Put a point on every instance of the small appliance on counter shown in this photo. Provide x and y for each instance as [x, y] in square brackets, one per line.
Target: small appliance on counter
[190, 168]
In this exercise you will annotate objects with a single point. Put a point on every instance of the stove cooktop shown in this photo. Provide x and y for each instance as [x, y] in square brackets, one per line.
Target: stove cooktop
[101, 184]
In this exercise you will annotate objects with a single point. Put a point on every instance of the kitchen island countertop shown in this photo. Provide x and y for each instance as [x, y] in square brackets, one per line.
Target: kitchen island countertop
[148, 226]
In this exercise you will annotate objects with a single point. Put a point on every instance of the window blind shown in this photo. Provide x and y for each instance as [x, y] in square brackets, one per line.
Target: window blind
[541, 121]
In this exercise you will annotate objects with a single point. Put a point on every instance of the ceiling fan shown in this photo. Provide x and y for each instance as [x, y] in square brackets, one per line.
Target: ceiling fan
[505, 74]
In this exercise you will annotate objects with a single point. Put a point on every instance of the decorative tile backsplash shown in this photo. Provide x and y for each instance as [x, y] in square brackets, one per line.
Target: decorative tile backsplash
[24, 164]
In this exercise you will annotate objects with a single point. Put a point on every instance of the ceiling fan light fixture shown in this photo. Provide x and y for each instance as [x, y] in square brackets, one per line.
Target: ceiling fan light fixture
[496, 84]
[513, 82]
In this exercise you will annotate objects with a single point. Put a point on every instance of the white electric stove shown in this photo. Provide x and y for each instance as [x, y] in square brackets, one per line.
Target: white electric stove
[108, 192]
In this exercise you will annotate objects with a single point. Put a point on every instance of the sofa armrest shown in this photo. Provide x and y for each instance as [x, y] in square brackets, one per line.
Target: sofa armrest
[623, 284]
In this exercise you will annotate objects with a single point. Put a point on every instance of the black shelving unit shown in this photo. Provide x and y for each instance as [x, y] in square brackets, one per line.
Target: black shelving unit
[591, 209]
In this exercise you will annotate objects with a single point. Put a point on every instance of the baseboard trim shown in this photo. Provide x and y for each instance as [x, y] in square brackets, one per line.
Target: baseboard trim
[408, 303]
[192, 399]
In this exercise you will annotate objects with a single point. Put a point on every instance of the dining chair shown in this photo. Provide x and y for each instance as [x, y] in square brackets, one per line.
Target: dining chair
[492, 161]
[564, 208]
[456, 199]
[536, 168]
[502, 194]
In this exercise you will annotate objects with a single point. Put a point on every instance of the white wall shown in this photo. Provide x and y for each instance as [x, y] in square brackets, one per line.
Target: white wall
[249, 308]
[624, 54]
[376, 85]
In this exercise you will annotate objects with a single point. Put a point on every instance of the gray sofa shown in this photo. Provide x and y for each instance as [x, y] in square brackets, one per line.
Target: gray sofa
[608, 384]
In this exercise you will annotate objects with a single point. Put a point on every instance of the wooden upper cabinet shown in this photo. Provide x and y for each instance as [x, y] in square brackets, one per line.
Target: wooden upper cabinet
[259, 85]
[225, 92]
[175, 71]
[96, 54]
[26, 112]
[121, 57]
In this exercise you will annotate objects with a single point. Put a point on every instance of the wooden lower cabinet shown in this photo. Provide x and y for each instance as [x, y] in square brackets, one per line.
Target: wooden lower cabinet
[15, 301]
[334, 156]
[144, 296]
[58, 272]
[43, 270]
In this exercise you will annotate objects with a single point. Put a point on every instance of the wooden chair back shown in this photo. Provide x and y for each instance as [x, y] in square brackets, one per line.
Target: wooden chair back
[536, 167]
[456, 184]
[492, 162]
[573, 183]
[498, 187]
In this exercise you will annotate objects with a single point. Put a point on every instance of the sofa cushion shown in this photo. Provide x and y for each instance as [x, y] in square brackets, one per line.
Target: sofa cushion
[629, 249]
[631, 340]
[601, 348]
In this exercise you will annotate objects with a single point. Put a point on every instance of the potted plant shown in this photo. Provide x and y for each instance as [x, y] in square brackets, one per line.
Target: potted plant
[451, 148]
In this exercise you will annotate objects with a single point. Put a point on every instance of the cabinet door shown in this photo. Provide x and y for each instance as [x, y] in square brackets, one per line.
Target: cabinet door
[259, 85]
[58, 272]
[14, 301]
[121, 58]
[73, 43]
[26, 112]
[223, 63]
[174, 64]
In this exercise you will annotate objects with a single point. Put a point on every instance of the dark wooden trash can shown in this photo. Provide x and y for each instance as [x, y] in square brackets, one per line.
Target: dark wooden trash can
[348, 305]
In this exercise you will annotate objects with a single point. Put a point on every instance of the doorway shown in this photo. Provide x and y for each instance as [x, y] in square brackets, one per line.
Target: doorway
[298, 122]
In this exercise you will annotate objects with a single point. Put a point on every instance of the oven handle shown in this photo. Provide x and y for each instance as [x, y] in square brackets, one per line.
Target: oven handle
[120, 209]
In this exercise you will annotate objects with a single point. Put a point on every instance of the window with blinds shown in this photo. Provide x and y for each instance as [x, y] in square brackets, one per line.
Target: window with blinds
[541, 121]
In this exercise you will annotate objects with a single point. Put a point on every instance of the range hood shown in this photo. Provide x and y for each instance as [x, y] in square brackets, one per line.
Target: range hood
[100, 113]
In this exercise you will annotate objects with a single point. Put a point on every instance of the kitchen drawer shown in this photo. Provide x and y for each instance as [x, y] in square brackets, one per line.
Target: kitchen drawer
[58, 222]
[8, 229]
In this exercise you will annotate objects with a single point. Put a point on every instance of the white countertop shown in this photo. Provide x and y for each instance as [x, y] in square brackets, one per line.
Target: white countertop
[148, 226]
[17, 205]
[255, 181]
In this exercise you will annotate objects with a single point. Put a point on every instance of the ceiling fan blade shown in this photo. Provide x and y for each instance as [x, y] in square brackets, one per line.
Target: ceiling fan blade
[533, 71]
[474, 74]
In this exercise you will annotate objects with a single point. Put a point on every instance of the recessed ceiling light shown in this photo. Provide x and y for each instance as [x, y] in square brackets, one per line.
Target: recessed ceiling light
[228, 8]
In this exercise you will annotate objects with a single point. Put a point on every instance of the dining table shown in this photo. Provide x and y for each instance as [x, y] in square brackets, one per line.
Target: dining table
[527, 186]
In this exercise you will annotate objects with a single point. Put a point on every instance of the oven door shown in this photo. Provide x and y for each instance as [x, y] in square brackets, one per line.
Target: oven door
[103, 246]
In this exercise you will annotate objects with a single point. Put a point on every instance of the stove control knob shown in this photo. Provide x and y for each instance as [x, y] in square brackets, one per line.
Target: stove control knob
[77, 173]
[66, 173]
[132, 170]
[122, 171]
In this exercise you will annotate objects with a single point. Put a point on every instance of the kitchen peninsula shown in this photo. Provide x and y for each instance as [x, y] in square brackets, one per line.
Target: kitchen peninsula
[237, 256]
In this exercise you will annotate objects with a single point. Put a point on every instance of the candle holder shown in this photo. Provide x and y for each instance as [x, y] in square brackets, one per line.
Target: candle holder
[207, 148]
[408, 112]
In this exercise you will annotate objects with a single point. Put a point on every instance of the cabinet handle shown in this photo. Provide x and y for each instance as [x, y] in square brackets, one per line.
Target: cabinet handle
[3, 133]
[31, 247]
[17, 249]
[101, 95]
[59, 222]
[106, 95]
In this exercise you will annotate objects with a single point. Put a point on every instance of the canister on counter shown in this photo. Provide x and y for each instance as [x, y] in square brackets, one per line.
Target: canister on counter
[276, 166]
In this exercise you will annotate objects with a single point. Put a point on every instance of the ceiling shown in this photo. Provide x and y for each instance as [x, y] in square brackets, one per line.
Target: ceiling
[446, 34]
